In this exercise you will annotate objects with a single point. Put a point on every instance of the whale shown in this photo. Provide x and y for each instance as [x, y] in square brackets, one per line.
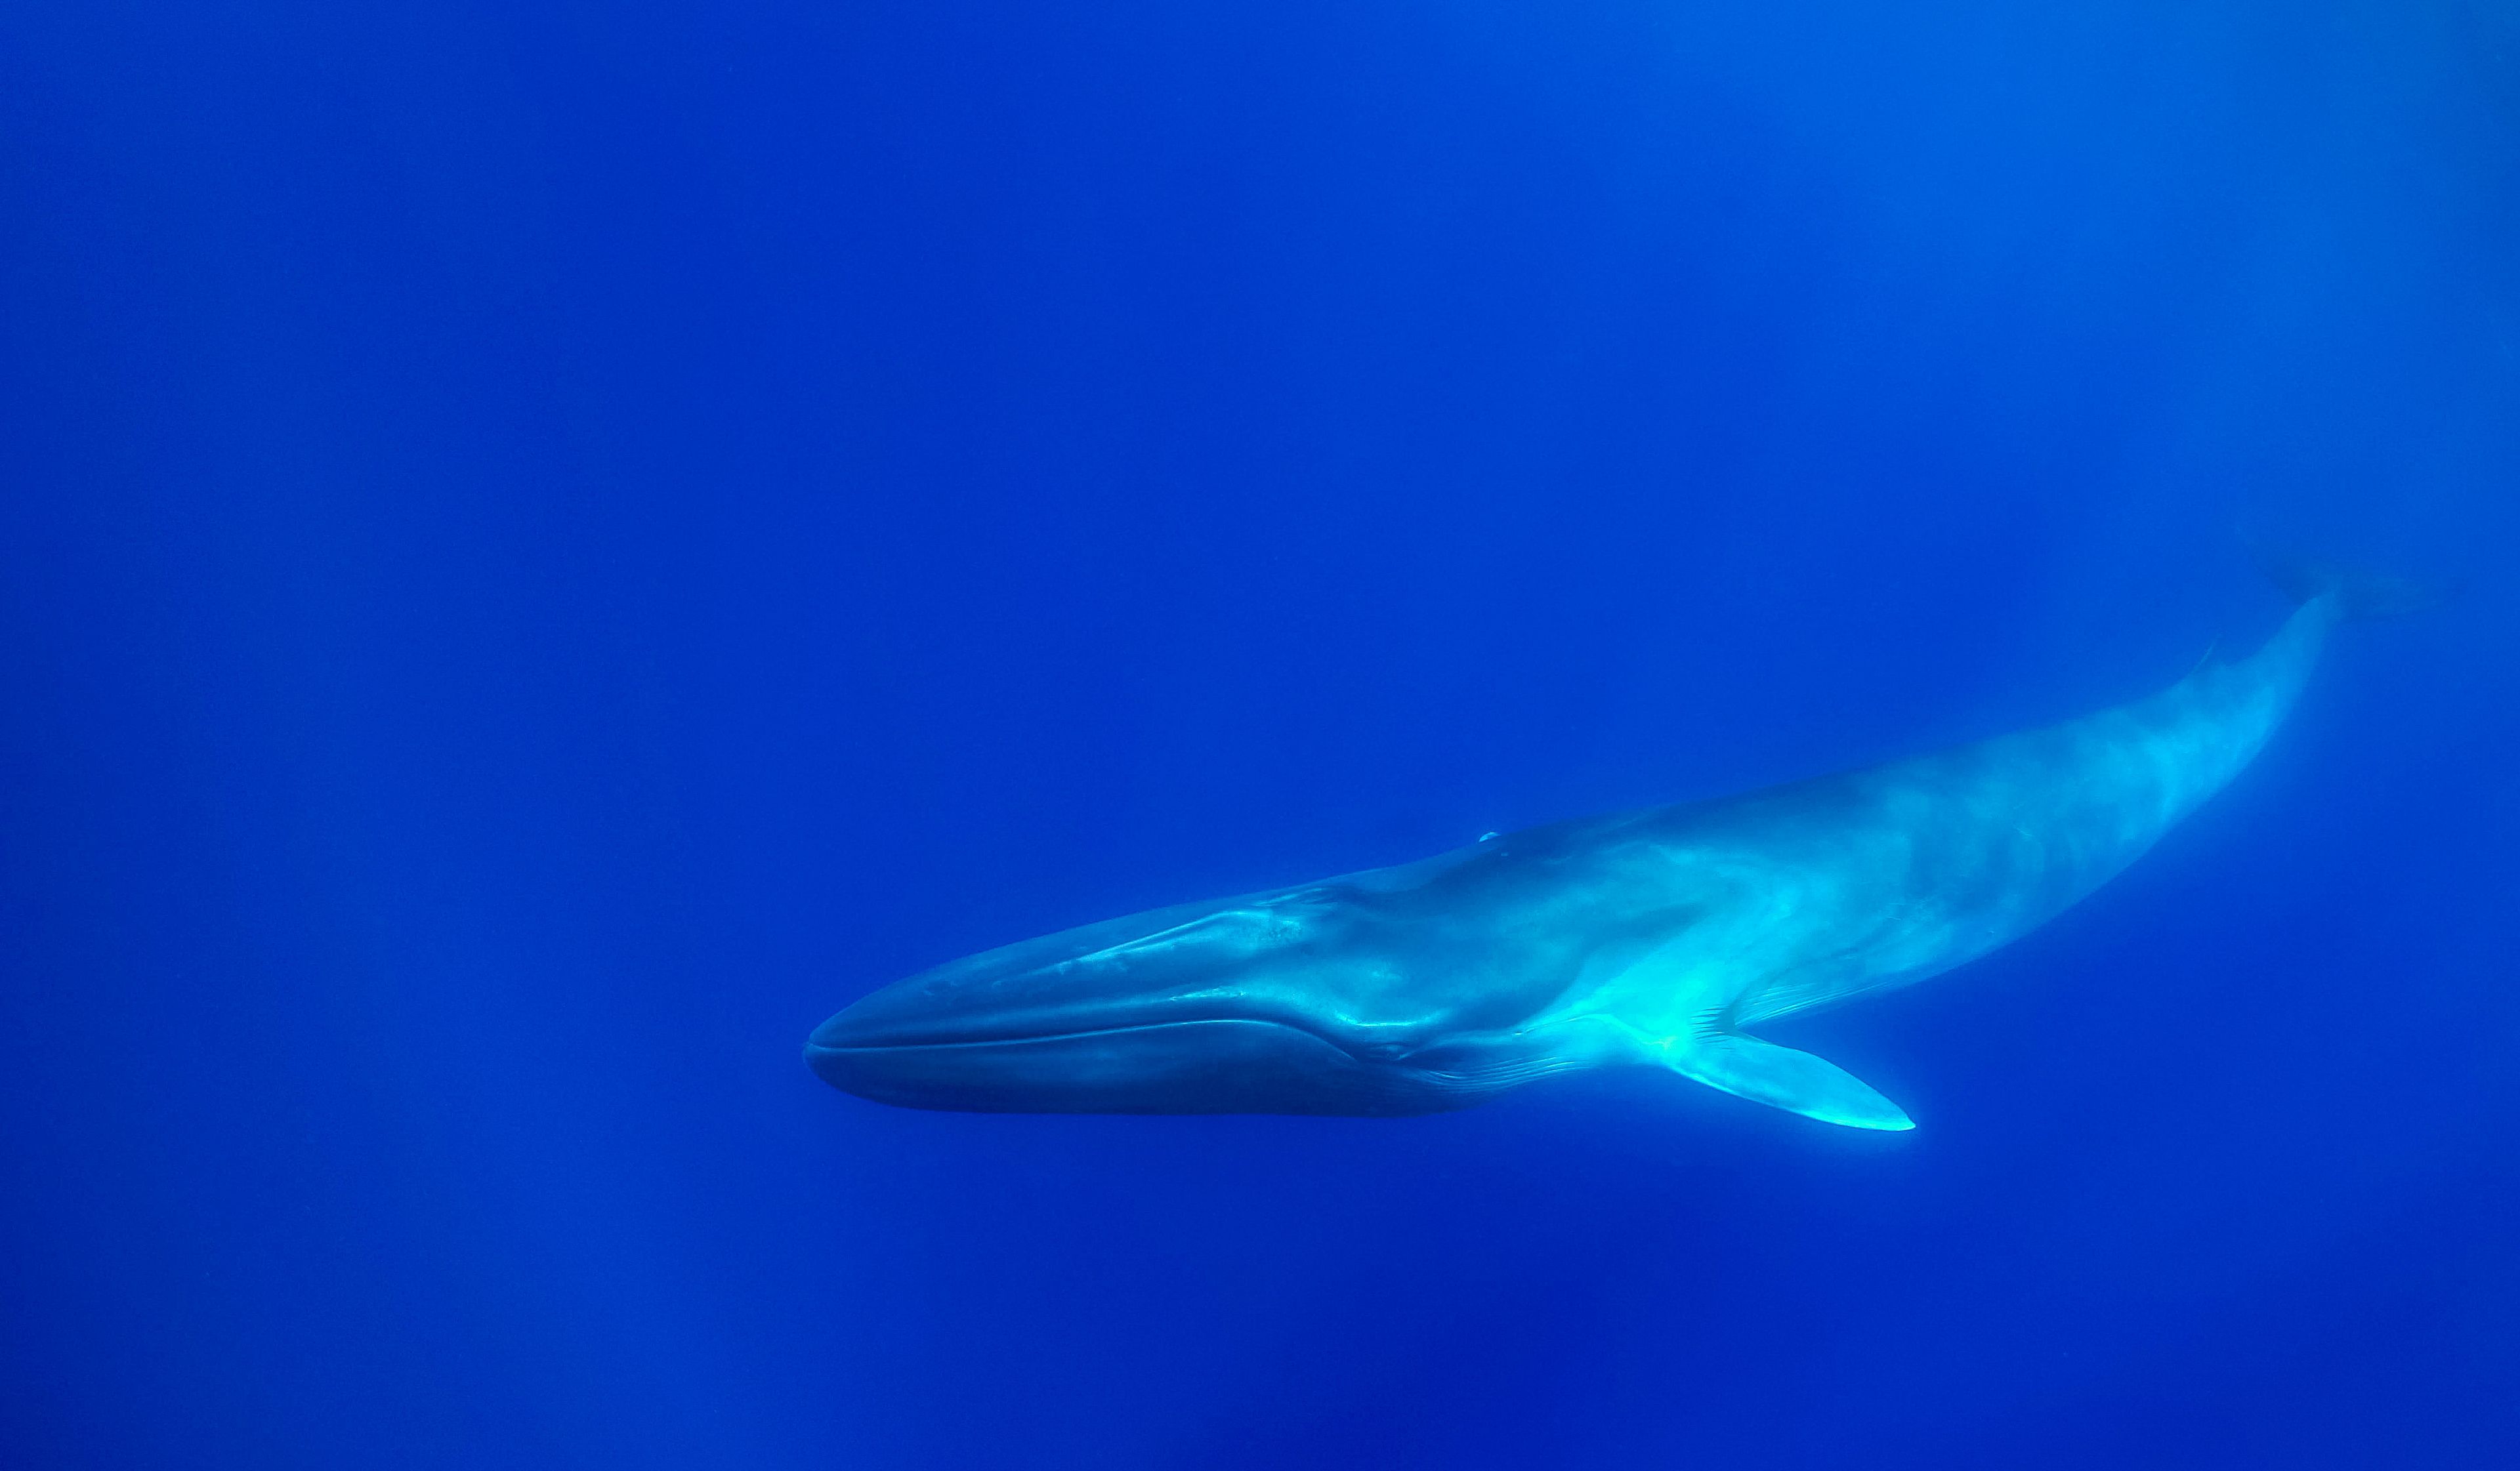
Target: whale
[1664, 937]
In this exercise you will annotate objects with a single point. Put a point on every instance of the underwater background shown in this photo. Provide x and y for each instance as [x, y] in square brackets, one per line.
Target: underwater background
[545, 548]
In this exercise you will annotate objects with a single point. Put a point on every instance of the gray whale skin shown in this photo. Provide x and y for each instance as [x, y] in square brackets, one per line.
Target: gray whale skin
[1659, 937]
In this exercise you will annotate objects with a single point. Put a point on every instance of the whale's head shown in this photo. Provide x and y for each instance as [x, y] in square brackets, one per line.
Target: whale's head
[1299, 1001]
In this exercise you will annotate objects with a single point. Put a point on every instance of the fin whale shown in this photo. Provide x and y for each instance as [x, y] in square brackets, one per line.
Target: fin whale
[1664, 936]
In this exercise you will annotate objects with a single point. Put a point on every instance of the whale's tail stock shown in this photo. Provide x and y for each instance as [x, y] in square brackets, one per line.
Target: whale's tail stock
[2358, 594]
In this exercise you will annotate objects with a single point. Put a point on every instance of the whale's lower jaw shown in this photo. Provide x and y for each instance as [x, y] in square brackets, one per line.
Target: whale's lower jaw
[1219, 1066]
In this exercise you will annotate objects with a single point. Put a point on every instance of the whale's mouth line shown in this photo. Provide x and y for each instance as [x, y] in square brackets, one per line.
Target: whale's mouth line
[1481, 1078]
[1021, 1039]
[1255, 1064]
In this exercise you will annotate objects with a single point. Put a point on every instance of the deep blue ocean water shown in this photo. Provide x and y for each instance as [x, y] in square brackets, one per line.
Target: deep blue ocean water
[545, 548]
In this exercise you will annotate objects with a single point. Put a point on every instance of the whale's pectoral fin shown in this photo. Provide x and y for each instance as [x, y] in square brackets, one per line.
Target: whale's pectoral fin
[1782, 1078]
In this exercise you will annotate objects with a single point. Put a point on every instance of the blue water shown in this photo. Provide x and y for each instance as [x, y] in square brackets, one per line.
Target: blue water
[545, 548]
